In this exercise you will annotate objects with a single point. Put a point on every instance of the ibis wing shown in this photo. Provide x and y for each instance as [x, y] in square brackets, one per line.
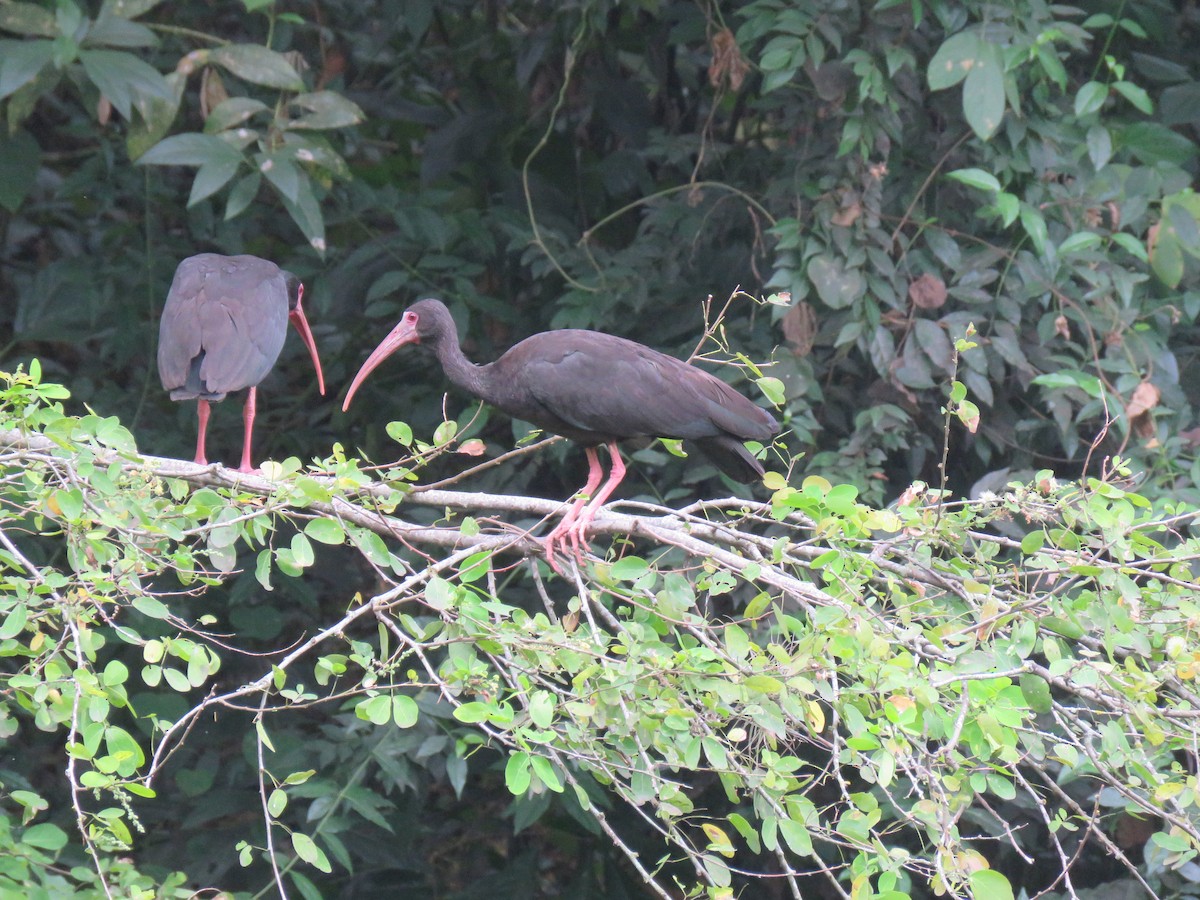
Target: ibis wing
[223, 325]
[243, 325]
[613, 387]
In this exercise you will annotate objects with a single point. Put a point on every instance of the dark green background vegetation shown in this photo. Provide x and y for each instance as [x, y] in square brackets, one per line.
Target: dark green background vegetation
[888, 173]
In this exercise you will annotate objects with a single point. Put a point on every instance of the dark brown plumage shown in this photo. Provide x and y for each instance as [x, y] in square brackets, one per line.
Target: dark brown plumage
[595, 389]
[222, 328]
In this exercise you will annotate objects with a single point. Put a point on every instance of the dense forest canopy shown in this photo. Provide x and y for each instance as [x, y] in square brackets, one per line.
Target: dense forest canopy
[946, 648]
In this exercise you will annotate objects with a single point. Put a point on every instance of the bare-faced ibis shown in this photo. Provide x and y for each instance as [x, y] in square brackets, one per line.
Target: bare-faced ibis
[222, 329]
[595, 389]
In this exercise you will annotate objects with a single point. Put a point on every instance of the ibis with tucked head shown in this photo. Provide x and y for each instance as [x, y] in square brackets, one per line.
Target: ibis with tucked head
[221, 331]
[594, 389]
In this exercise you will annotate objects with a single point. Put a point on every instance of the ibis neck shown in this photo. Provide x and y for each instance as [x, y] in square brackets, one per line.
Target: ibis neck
[472, 378]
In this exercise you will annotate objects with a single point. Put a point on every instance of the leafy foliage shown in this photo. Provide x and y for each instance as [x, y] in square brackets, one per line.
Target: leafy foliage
[808, 687]
[890, 177]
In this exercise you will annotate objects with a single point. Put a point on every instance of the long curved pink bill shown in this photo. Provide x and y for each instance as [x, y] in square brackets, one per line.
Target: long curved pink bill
[400, 335]
[297, 318]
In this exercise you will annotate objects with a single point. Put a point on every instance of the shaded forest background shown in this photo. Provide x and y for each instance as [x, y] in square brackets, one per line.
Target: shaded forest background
[872, 177]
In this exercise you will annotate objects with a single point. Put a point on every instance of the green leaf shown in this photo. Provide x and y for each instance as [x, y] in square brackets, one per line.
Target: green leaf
[124, 78]
[517, 776]
[1135, 95]
[629, 568]
[277, 803]
[541, 708]
[772, 389]
[472, 712]
[211, 177]
[1132, 245]
[976, 178]
[156, 117]
[445, 432]
[1036, 692]
[191, 149]
[27, 18]
[232, 112]
[475, 566]
[440, 593]
[283, 175]
[954, 60]
[1100, 146]
[128, 9]
[376, 710]
[983, 92]
[258, 65]
[242, 194]
[47, 836]
[115, 673]
[306, 213]
[1033, 542]
[1090, 97]
[176, 680]
[1167, 259]
[404, 711]
[114, 31]
[70, 503]
[544, 770]
[988, 884]
[151, 607]
[262, 569]
[326, 531]
[325, 109]
[20, 63]
[1080, 241]
[764, 684]
[796, 836]
[400, 432]
[302, 550]
[1008, 206]
[837, 285]
[1182, 224]
[308, 851]
[14, 622]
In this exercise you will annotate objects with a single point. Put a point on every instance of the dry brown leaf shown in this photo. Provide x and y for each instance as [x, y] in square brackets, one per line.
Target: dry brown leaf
[727, 62]
[333, 65]
[473, 447]
[799, 326]
[1062, 328]
[212, 91]
[927, 292]
[103, 110]
[849, 213]
[1133, 832]
[1145, 398]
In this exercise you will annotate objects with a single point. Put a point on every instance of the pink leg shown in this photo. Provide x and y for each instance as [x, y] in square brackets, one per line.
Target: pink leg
[595, 473]
[579, 529]
[573, 528]
[202, 421]
[248, 420]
